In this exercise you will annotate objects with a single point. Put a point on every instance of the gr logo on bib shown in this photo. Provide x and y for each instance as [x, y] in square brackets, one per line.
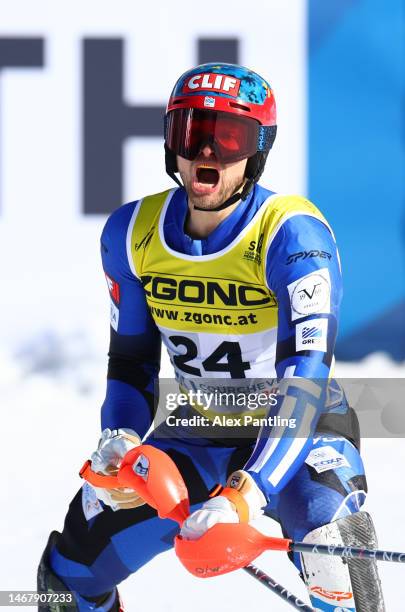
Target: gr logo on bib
[310, 294]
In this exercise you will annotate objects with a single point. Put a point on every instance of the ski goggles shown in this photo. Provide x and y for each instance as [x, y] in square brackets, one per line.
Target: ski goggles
[232, 137]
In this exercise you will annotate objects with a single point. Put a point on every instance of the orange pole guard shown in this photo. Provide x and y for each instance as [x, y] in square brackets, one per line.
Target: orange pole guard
[153, 475]
[224, 548]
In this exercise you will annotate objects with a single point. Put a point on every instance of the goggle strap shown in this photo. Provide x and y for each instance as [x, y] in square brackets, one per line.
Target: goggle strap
[266, 136]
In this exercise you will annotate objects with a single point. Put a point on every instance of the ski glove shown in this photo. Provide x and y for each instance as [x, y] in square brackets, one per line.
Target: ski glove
[112, 447]
[240, 501]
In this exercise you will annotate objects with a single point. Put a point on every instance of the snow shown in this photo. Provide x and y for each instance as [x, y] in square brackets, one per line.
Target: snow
[51, 389]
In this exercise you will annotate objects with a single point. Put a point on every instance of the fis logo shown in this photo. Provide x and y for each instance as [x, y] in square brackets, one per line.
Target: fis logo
[215, 82]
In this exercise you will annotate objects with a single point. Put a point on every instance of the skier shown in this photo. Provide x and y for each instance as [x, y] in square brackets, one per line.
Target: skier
[239, 283]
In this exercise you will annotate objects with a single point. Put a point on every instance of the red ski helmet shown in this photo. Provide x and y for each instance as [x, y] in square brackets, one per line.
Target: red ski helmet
[204, 101]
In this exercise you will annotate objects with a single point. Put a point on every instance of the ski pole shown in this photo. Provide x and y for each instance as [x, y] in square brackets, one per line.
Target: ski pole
[348, 552]
[277, 588]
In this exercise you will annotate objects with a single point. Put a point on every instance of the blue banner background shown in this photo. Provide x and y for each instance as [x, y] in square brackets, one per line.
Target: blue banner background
[357, 161]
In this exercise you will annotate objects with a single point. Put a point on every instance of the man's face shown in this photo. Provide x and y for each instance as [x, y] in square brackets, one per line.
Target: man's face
[208, 182]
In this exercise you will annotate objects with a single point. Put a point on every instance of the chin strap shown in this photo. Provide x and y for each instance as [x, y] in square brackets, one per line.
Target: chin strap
[171, 165]
[241, 194]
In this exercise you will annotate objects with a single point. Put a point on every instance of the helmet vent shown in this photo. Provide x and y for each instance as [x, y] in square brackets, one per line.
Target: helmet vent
[240, 106]
[179, 101]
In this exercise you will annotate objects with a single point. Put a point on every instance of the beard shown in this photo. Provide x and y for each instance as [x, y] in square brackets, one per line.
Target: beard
[228, 186]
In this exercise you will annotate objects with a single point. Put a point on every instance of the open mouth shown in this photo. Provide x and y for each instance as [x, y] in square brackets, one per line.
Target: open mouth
[206, 175]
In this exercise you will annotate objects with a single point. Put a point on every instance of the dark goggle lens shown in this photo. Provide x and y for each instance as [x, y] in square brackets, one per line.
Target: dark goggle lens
[233, 138]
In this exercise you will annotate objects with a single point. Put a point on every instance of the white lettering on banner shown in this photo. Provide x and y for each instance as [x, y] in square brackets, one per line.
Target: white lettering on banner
[310, 294]
[311, 335]
[326, 458]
